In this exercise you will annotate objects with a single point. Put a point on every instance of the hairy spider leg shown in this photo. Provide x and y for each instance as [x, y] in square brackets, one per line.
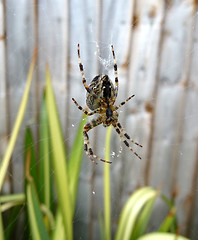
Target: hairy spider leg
[87, 147]
[122, 103]
[115, 71]
[82, 71]
[123, 139]
[125, 134]
[83, 110]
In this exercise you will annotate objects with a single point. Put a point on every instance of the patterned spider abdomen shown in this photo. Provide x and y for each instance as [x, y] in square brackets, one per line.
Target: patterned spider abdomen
[101, 90]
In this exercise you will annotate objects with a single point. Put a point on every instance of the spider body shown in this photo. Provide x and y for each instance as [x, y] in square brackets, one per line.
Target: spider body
[101, 96]
[101, 89]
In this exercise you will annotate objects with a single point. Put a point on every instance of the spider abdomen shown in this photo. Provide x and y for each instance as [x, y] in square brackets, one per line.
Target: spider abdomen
[101, 90]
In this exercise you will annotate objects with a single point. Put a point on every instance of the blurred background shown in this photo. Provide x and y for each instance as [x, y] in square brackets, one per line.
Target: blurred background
[156, 48]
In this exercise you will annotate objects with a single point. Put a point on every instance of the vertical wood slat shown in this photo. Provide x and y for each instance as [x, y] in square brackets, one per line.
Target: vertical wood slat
[170, 105]
[4, 106]
[85, 31]
[189, 139]
[3, 126]
[53, 50]
[143, 70]
[20, 45]
[113, 21]
[187, 147]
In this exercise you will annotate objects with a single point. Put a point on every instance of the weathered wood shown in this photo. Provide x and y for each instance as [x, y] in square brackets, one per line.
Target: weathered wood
[189, 164]
[170, 100]
[4, 119]
[53, 49]
[19, 44]
[3, 116]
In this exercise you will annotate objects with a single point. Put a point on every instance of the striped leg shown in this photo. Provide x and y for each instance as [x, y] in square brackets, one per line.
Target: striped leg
[123, 139]
[116, 72]
[82, 71]
[87, 146]
[122, 103]
[126, 135]
[82, 109]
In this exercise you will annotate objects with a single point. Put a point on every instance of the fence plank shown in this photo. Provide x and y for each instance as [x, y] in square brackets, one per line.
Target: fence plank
[19, 44]
[3, 93]
[171, 97]
[188, 166]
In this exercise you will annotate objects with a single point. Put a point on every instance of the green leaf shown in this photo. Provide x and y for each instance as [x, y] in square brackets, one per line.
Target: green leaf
[12, 221]
[17, 125]
[45, 191]
[18, 197]
[169, 221]
[131, 211]
[8, 205]
[169, 203]
[29, 145]
[75, 162]
[36, 222]
[107, 188]
[162, 236]
[59, 231]
[59, 159]
[143, 219]
[1, 227]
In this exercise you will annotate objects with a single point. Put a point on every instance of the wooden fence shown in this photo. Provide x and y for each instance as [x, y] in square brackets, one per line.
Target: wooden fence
[156, 47]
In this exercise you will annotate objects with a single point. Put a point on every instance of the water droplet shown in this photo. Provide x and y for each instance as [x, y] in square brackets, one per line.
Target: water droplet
[94, 193]
[120, 151]
[113, 154]
[72, 125]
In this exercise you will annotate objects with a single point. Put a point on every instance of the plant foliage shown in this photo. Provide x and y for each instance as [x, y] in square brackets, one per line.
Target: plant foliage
[46, 221]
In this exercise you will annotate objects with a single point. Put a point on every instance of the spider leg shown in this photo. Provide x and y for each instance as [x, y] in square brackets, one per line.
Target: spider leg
[82, 109]
[87, 146]
[122, 103]
[115, 71]
[82, 71]
[126, 135]
[123, 139]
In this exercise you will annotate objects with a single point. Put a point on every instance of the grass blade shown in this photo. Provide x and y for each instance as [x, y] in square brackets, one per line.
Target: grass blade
[36, 222]
[37, 225]
[131, 210]
[169, 221]
[107, 188]
[75, 162]
[17, 125]
[7, 206]
[59, 159]
[143, 219]
[29, 146]
[59, 232]
[45, 192]
[12, 223]
[162, 236]
[1, 227]
[19, 197]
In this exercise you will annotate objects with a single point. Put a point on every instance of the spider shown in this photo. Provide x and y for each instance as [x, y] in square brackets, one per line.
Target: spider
[101, 96]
